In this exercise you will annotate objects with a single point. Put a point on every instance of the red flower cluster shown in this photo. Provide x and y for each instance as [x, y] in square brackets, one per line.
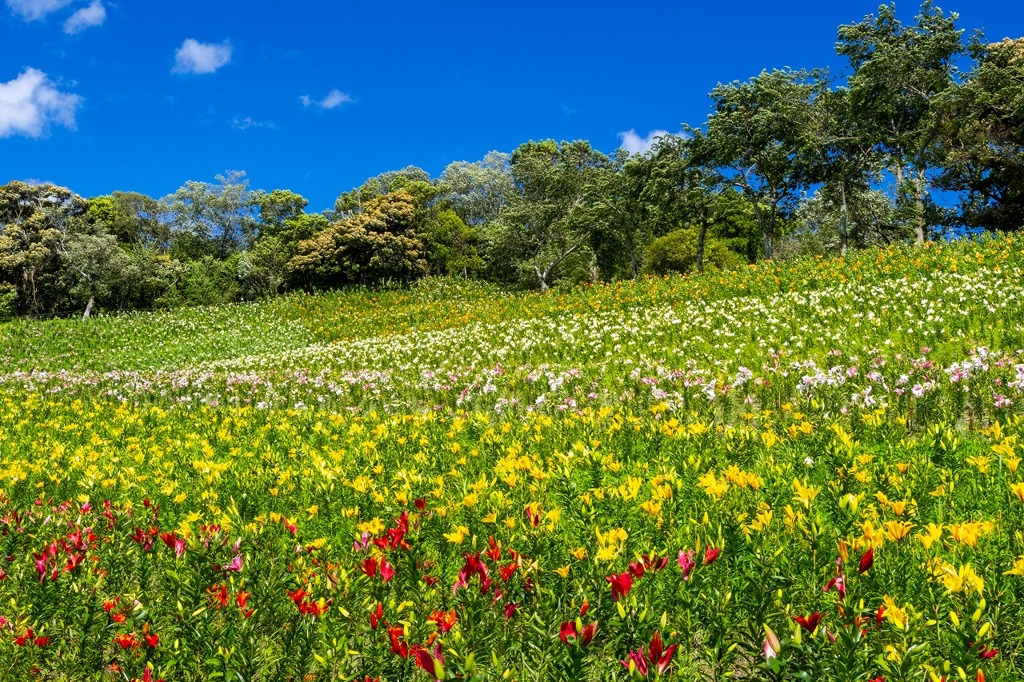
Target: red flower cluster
[306, 606]
[28, 637]
[445, 620]
[656, 656]
[394, 538]
[73, 547]
[174, 542]
[372, 566]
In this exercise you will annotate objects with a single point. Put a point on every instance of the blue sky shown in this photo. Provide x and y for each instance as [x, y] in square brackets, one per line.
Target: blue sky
[315, 97]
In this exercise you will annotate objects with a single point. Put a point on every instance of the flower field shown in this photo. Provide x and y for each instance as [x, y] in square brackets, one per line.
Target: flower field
[798, 471]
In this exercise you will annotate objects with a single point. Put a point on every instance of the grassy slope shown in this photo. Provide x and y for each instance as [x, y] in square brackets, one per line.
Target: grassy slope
[181, 338]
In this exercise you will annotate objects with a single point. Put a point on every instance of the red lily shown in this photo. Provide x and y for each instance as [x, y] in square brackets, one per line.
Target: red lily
[660, 657]
[369, 566]
[174, 542]
[126, 641]
[711, 554]
[144, 539]
[571, 633]
[508, 570]
[398, 645]
[587, 633]
[621, 584]
[532, 517]
[867, 560]
[433, 663]
[218, 595]
[655, 563]
[445, 620]
[636, 661]
[376, 615]
[809, 623]
[473, 566]
[839, 583]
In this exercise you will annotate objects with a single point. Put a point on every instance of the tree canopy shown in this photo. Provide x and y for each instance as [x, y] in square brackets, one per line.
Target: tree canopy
[786, 162]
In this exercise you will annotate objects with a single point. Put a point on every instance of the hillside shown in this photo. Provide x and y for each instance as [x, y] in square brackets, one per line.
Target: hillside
[722, 460]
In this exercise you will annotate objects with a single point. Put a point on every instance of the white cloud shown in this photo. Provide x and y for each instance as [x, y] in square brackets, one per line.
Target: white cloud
[334, 99]
[87, 17]
[249, 122]
[32, 10]
[634, 144]
[201, 58]
[31, 103]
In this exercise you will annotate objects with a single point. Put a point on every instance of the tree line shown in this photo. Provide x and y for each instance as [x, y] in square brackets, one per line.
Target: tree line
[922, 137]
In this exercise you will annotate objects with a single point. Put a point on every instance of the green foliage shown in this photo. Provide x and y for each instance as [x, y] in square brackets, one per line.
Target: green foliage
[546, 220]
[677, 252]
[205, 281]
[758, 133]
[983, 121]
[375, 245]
[222, 217]
[562, 213]
[478, 191]
[37, 220]
[278, 207]
[451, 245]
[134, 219]
[900, 75]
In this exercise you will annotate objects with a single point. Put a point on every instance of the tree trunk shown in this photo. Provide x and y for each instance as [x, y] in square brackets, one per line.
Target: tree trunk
[632, 257]
[701, 238]
[88, 308]
[919, 208]
[764, 228]
[542, 276]
[844, 233]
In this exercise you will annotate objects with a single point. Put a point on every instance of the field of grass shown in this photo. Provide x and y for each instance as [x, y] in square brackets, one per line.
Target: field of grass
[806, 470]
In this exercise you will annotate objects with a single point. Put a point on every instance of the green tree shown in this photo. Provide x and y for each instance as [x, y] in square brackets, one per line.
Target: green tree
[841, 157]
[478, 191]
[451, 245]
[619, 215]
[378, 244]
[35, 220]
[983, 135]
[133, 219]
[685, 188]
[98, 266]
[677, 252]
[222, 215]
[757, 136]
[413, 179]
[900, 74]
[861, 217]
[545, 218]
[278, 207]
